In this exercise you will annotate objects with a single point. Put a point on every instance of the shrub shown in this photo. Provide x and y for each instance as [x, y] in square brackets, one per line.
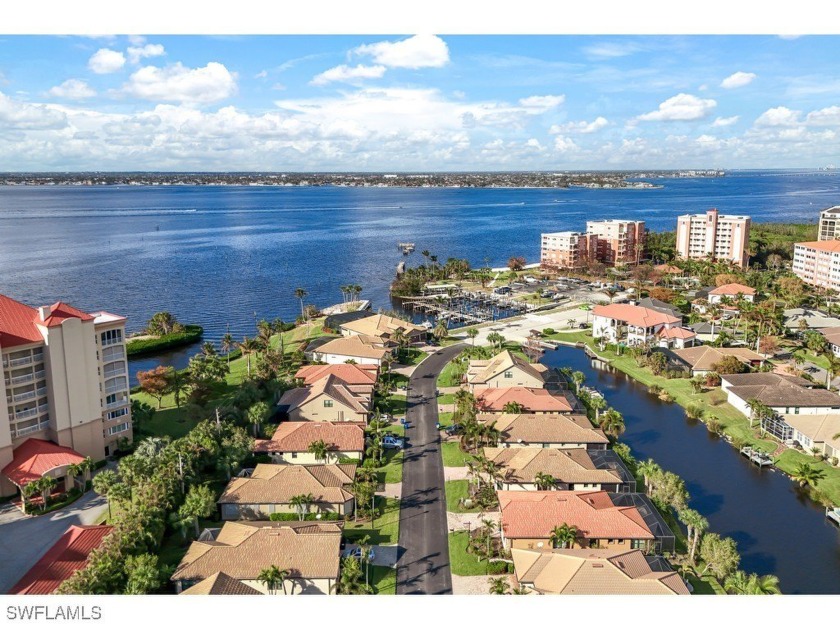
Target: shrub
[666, 397]
[348, 460]
[655, 390]
[714, 425]
[694, 411]
[833, 461]
[712, 379]
[548, 331]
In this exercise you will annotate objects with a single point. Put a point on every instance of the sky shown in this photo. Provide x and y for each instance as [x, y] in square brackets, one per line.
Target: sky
[417, 103]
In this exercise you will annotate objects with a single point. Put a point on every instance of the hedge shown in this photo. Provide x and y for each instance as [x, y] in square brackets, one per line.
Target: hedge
[137, 347]
[292, 516]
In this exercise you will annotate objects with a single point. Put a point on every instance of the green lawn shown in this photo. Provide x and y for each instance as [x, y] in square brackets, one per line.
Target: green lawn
[456, 491]
[445, 418]
[450, 376]
[452, 454]
[385, 529]
[816, 359]
[462, 562]
[167, 421]
[411, 356]
[383, 580]
[395, 404]
[446, 399]
[391, 471]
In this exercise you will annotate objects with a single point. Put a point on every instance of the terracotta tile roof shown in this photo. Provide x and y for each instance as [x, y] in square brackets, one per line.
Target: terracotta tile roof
[220, 584]
[278, 483]
[521, 465]
[295, 437]
[733, 288]
[634, 315]
[668, 269]
[780, 390]
[677, 332]
[68, 555]
[356, 397]
[823, 246]
[347, 372]
[356, 346]
[535, 514]
[482, 371]
[243, 549]
[704, 357]
[17, 324]
[594, 572]
[552, 428]
[34, 458]
[59, 312]
[532, 399]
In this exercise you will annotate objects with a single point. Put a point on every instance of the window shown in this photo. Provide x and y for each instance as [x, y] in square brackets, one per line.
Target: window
[110, 337]
[294, 455]
[118, 429]
[113, 415]
[328, 403]
[637, 544]
[508, 374]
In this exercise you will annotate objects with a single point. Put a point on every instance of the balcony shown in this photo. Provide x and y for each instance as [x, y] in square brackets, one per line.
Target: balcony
[33, 429]
[117, 404]
[118, 370]
[113, 354]
[27, 395]
[112, 342]
[21, 361]
[113, 389]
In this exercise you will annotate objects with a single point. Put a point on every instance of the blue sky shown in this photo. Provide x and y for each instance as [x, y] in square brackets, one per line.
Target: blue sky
[418, 102]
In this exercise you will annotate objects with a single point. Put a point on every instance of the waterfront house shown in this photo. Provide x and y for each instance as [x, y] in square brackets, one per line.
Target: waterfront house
[813, 319]
[784, 394]
[508, 370]
[571, 469]
[518, 430]
[832, 338]
[532, 400]
[310, 551]
[633, 325]
[68, 555]
[220, 584]
[359, 349]
[349, 373]
[820, 431]
[676, 337]
[271, 488]
[663, 307]
[734, 291]
[384, 328]
[291, 441]
[702, 359]
[528, 519]
[595, 572]
[328, 399]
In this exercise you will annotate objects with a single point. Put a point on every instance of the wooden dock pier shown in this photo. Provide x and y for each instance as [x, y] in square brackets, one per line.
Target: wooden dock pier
[757, 457]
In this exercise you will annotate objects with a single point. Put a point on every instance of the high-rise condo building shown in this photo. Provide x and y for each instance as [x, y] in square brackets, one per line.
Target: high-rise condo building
[713, 236]
[818, 263]
[566, 250]
[618, 242]
[64, 382]
[829, 229]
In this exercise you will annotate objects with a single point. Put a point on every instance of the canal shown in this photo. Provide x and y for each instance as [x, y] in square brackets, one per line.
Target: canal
[777, 528]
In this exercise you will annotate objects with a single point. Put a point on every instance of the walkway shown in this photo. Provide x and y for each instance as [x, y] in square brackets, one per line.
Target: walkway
[424, 565]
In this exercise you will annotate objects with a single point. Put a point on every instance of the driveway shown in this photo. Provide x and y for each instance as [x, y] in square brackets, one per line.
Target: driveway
[24, 539]
[423, 567]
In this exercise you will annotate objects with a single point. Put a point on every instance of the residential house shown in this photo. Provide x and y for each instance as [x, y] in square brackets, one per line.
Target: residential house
[702, 359]
[68, 555]
[359, 349]
[676, 337]
[532, 400]
[518, 430]
[595, 572]
[309, 551]
[733, 292]
[349, 373]
[832, 338]
[820, 431]
[571, 469]
[271, 488]
[813, 319]
[528, 519]
[784, 394]
[634, 325]
[328, 399]
[663, 307]
[291, 441]
[384, 328]
[220, 584]
[508, 370]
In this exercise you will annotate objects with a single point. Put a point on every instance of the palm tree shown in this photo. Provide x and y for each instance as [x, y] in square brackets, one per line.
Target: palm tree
[45, 486]
[759, 411]
[563, 536]
[612, 423]
[763, 585]
[472, 333]
[597, 403]
[441, 331]
[737, 583]
[806, 475]
[499, 585]
[227, 345]
[544, 481]
[301, 503]
[513, 406]
[273, 577]
[248, 347]
[578, 378]
[319, 449]
[696, 524]
[301, 293]
[649, 469]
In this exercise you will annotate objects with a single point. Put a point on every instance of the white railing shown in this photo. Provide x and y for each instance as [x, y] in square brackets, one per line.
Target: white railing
[117, 404]
[21, 397]
[117, 371]
[113, 389]
[18, 362]
[113, 354]
[17, 380]
[28, 413]
[33, 429]
[112, 342]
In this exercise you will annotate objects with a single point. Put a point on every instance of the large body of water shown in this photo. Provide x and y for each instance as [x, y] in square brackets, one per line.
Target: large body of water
[777, 528]
[224, 256]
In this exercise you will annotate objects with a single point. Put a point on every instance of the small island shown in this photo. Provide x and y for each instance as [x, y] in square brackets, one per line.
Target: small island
[162, 332]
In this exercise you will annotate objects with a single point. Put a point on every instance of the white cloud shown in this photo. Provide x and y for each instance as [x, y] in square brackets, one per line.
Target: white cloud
[19, 115]
[348, 74]
[725, 122]
[542, 103]
[211, 83]
[106, 61]
[136, 40]
[739, 79]
[778, 117]
[73, 89]
[681, 107]
[420, 51]
[611, 50]
[826, 117]
[564, 144]
[262, 74]
[789, 36]
[135, 54]
[580, 126]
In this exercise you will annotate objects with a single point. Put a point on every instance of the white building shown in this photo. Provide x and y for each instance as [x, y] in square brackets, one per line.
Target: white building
[634, 325]
[829, 228]
[713, 236]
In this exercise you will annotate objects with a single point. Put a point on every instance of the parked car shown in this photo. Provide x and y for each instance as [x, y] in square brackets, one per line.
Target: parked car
[453, 429]
[583, 325]
[392, 441]
[356, 552]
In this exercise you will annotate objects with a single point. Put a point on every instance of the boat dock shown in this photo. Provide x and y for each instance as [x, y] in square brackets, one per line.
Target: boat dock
[757, 457]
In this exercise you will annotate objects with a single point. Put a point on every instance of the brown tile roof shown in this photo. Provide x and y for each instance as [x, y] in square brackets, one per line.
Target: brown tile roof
[780, 390]
[733, 288]
[594, 572]
[220, 584]
[553, 428]
[566, 465]
[356, 397]
[634, 315]
[704, 357]
[295, 437]
[243, 549]
[68, 555]
[532, 399]
[482, 371]
[278, 483]
[351, 374]
[832, 335]
[381, 326]
[535, 514]
[360, 346]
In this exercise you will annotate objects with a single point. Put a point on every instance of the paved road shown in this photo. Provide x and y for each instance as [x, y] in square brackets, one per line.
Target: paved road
[24, 539]
[423, 568]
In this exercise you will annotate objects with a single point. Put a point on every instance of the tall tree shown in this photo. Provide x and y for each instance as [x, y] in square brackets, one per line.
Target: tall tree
[720, 555]
[301, 293]
[154, 382]
[200, 502]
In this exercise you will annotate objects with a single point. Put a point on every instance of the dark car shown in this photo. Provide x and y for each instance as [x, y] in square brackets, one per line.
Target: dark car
[453, 429]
